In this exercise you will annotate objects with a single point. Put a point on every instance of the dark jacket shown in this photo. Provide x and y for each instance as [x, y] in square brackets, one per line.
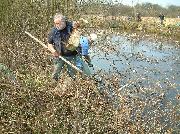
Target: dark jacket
[59, 38]
[161, 17]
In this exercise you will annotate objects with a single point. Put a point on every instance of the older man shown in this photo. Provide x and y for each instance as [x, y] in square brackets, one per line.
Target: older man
[57, 40]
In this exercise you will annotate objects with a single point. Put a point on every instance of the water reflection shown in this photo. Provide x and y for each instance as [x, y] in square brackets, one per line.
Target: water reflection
[157, 65]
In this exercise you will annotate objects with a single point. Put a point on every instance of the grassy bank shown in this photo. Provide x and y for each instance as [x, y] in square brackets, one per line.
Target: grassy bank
[37, 107]
[148, 26]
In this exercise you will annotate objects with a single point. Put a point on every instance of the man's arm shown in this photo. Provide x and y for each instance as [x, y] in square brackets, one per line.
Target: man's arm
[53, 51]
[50, 45]
[51, 48]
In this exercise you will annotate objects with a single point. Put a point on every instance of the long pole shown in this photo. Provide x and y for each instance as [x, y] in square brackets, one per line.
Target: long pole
[40, 42]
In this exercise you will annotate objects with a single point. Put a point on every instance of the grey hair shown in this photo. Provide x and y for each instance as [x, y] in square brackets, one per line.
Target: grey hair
[59, 16]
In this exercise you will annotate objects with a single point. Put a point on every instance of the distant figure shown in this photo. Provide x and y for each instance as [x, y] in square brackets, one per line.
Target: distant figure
[161, 16]
[139, 17]
[129, 18]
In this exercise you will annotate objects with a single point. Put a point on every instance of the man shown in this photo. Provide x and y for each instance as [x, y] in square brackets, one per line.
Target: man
[139, 17]
[85, 42]
[83, 48]
[83, 51]
[57, 41]
[161, 16]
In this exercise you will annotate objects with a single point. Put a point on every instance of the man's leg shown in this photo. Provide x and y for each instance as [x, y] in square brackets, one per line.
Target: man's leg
[86, 68]
[85, 61]
[71, 71]
[73, 60]
[88, 60]
[161, 22]
[58, 65]
[79, 62]
[84, 64]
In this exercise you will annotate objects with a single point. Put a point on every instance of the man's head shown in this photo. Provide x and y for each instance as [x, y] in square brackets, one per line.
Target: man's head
[76, 24]
[81, 23]
[59, 21]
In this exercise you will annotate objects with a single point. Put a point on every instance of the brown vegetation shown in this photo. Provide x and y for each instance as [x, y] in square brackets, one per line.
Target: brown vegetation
[34, 105]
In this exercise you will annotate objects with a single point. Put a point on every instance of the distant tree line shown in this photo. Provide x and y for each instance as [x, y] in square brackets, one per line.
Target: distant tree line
[107, 7]
[26, 14]
[75, 8]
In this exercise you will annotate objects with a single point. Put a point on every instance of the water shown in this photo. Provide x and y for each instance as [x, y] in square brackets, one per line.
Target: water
[149, 64]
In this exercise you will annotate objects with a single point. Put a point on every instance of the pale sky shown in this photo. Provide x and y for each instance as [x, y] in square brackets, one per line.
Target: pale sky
[163, 3]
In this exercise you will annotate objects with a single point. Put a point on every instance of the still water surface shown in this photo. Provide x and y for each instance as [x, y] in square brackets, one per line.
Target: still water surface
[153, 64]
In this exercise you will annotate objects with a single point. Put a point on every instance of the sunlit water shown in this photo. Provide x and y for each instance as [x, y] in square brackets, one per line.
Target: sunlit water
[147, 64]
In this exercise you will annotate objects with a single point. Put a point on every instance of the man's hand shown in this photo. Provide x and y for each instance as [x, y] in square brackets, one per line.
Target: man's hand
[55, 54]
[53, 51]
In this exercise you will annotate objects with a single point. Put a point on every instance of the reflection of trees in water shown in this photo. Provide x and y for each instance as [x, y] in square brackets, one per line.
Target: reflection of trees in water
[133, 58]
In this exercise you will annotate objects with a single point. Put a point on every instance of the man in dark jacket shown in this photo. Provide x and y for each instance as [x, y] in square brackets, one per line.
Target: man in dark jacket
[161, 16]
[139, 17]
[57, 40]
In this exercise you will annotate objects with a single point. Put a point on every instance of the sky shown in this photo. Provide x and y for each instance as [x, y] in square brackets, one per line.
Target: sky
[163, 3]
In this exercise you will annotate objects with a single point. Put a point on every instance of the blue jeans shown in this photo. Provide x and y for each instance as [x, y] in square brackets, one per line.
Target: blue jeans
[59, 64]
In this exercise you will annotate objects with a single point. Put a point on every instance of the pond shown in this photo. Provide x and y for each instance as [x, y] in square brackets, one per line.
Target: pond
[147, 64]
